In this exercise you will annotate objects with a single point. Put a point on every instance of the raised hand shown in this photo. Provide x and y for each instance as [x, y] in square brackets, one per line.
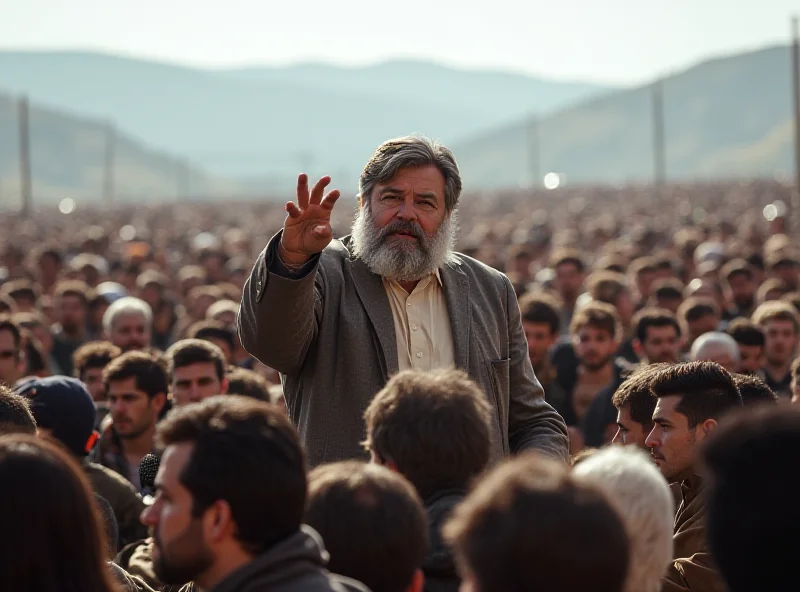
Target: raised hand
[307, 228]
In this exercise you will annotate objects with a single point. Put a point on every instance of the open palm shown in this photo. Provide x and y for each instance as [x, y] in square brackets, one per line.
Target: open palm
[307, 228]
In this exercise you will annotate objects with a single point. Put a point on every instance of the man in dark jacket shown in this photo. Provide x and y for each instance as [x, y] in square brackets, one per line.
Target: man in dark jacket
[434, 429]
[231, 493]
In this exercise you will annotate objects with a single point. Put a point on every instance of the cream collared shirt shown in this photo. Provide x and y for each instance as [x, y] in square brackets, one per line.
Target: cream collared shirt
[421, 324]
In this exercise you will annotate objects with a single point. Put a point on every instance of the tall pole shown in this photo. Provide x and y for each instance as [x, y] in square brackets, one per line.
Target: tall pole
[24, 156]
[659, 148]
[795, 213]
[534, 155]
[108, 164]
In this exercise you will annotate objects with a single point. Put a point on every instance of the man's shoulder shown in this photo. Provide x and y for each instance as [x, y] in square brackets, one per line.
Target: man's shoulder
[100, 474]
[478, 268]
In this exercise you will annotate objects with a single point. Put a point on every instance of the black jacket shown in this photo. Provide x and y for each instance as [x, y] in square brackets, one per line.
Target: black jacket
[439, 567]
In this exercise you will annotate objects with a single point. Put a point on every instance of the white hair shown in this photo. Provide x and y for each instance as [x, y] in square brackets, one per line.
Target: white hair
[641, 496]
[709, 345]
[124, 307]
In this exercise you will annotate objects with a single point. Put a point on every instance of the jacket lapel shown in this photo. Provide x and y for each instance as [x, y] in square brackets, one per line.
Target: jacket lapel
[372, 294]
[456, 292]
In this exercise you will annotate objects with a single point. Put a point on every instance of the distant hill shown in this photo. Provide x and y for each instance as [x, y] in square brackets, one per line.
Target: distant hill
[273, 121]
[67, 156]
[727, 117]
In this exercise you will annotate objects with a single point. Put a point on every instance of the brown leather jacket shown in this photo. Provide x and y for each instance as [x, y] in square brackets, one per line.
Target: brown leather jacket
[692, 568]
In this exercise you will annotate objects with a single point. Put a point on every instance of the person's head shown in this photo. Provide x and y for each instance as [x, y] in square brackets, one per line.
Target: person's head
[128, 323]
[692, 397]
[150, 286]
[740, 284]
[24, 294]
[596, 334]
[570, 273]
[611, 288]
[223, 336]
[752, 509]
[49, 262]
[785, 266]
[38, 326]
[406, 224]
[716, 347]
[72, 305]
[89, 361]
[12, 357]
[47, 503]
[63, 410]
[781, 331]
[698, 316]
[248, 383]
[635, 403]
[230, 486]
[384, 509]
[667, 294]
[136, 390]
[530, 525]
[196, 371]
[644, 273]
[433, 427]
[754, 390]
[751, 341]
[15, 413]
[639, 493]
[657, 336]
[541, 323]
[223, 311]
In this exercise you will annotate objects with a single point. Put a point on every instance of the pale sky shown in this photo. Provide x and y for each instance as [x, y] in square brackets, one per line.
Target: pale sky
[612, 41]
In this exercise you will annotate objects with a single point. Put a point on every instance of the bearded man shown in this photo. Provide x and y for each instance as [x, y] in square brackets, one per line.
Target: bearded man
[337, 318]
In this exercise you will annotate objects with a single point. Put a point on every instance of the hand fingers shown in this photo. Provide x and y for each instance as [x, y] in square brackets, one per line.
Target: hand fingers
[292, 210]
[319, 188]
[330, 200]
[302, 190]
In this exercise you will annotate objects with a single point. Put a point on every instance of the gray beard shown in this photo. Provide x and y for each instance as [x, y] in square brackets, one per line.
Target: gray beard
[401, 260]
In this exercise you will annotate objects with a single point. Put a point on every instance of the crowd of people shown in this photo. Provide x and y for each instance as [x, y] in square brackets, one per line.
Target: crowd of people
[589, 388]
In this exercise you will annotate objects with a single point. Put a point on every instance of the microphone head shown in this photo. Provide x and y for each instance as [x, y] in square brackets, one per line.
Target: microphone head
[148, 469]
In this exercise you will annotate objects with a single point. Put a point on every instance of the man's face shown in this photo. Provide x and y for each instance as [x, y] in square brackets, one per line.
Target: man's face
[133, 412]
[742, 291]
[594, 347]
[644, 282]
[672, 442]
[751, 358]
[629, 432]
[72, 313]
[701, 326]
[540, 340]
[180, 552]
[661, 344]
[625, 308]
[196, 382]
[130, 332]
[781, 342]
[671, 304]
[403, 231]
[568, 280]
[11, 366]
[788, 273]
[93, 379]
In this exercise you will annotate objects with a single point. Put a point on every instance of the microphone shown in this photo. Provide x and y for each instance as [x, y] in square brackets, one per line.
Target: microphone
[148, 469]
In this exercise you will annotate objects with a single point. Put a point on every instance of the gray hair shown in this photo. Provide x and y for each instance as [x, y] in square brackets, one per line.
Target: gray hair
[124, 307]
[715, 342]
[641, 496]
[411, 151]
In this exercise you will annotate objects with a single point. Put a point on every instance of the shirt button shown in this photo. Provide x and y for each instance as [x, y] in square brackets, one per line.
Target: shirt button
[419, 354]
[414, 327]
[408, 304]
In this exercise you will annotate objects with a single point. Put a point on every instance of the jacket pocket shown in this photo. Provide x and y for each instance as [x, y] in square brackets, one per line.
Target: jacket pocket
[499, 378]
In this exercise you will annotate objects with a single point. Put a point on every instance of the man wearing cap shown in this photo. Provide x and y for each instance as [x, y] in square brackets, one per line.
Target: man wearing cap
[64, 412]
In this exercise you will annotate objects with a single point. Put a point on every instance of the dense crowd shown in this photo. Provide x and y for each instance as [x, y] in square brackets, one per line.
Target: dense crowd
[661, 324]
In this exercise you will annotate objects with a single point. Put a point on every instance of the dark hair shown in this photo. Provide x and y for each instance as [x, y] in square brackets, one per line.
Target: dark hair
[792, 298]
[92, 355]
[754, 390]
[7, 304]
[195, 351]
[598, 315]
[35, 356]
[736, 267]
[434, 426]
[248, 383]
[15, 413]
[643, 265]
[541, 309]
[695, 308]
[530, 526]
[17, 289]
[247, 453]
[75, 288]
[746, 332]
[606, 286]
[151, 378]
[776, 311]
[208, 330]
[653, 317]
[59, 541]
[668, 288]
[636, 394]
[8, 324]
[752, 510]
[383, 508]
[706, 389]
[568, 257]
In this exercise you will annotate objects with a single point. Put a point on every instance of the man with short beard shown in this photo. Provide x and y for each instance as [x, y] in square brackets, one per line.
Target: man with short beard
[337, 318]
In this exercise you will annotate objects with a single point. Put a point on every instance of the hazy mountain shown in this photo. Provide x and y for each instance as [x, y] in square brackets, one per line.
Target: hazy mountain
[273, 121]
[725, 117]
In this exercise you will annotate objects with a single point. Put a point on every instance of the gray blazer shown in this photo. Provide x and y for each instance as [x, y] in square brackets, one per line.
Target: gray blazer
[329, 331]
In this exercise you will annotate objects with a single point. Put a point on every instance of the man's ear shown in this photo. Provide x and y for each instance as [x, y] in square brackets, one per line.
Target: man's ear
[638, 349]
[417, 582]
[158, 401]
[218, 521]
[707, 427]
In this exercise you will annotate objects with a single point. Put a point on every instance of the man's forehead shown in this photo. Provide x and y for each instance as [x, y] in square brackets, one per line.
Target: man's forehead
[196, 370]
[173, 460]
[667, 404]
